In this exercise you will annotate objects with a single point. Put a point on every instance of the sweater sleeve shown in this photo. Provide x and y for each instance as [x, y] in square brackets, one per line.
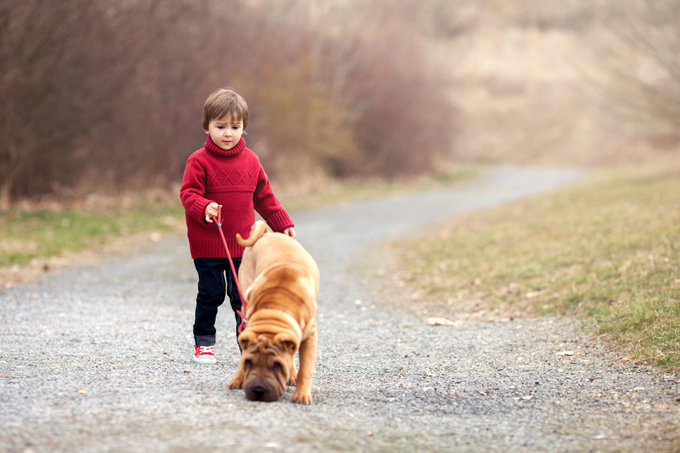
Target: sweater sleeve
[192, 190]
[268, 206]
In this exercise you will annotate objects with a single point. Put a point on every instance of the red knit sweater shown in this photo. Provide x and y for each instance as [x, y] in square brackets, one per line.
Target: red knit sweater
[236, 180]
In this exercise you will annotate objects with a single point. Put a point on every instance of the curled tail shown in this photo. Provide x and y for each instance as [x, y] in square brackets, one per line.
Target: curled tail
[258, 230]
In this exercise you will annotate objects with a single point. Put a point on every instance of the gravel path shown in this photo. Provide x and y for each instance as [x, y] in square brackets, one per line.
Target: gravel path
[97, 358]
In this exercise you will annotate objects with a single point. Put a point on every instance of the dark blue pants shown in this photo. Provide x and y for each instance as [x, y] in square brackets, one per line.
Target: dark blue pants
[212, 289]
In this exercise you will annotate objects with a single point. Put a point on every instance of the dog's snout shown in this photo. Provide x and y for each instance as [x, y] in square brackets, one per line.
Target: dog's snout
[259, 392]
[262, 391]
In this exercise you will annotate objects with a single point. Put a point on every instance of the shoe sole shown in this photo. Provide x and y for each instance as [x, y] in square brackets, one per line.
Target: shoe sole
[204, 361]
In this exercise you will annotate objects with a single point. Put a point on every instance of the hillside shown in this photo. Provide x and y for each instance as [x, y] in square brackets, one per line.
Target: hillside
[537, 82]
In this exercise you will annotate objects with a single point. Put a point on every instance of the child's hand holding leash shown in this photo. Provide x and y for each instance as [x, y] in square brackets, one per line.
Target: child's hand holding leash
[211, 211]
[289, 232]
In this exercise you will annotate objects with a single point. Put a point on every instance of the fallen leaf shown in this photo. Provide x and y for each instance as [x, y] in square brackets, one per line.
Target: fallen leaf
[527, 397]
[82, 392]
[565, 353]
[441, 322]
[456, 393]
[369, 434]
[351, 415]
[482, 393]
[3, 375]
[152, 380]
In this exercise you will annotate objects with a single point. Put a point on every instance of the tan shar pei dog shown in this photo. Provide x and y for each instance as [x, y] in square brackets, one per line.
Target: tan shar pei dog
[280, 283]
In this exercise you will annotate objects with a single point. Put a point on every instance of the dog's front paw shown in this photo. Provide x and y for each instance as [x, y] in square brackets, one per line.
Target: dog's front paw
[293, 378]
[299, 398]
[236, 383]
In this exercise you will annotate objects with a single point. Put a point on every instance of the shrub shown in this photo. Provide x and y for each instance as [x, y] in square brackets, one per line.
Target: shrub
[97, 94]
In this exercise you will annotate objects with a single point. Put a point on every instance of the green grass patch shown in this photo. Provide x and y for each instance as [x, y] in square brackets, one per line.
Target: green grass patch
[41, 233]
[606, 249]
[35, 232]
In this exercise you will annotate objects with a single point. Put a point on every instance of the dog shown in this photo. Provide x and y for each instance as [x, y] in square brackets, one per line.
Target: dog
[280, 281]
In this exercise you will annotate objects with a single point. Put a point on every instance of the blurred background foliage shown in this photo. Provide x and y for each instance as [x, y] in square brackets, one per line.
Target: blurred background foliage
[97, 95]
[101, 94]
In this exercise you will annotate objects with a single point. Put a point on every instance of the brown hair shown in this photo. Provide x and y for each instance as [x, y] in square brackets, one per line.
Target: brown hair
[223, 102]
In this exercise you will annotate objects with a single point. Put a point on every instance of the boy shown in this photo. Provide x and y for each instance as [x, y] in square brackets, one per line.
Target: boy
[223, 173]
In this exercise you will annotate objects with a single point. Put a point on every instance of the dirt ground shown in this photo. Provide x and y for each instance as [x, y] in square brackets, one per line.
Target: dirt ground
[110, 366]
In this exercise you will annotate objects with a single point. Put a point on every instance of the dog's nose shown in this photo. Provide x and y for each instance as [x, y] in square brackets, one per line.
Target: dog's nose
[259, 392]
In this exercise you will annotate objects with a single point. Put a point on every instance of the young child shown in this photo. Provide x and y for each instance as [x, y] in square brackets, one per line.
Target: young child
[223, 173]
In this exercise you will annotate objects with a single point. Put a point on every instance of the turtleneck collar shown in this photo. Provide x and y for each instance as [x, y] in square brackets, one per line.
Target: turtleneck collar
[216, 150]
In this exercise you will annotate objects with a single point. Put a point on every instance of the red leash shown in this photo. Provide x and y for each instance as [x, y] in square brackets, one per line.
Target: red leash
[233, 270]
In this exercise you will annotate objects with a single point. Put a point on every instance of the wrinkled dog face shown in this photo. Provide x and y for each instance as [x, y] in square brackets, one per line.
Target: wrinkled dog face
[267, 367]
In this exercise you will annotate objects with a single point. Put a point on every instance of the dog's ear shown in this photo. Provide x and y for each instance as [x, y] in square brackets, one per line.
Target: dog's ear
[245, 338]
[289, 346]
[288, 342]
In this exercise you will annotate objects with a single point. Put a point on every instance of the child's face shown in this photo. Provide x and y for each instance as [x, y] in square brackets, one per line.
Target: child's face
[225, 132]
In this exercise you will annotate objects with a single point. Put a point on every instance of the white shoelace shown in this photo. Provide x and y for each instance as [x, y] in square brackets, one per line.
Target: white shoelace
[206, 350]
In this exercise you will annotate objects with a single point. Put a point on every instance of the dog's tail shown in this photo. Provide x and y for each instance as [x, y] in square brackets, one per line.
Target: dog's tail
[258, 230]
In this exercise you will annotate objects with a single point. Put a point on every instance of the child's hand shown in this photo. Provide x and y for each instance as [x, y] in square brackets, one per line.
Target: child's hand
[289, 232]
[211, 211]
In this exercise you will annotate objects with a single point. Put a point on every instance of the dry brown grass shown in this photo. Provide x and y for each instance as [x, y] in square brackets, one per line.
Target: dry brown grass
[528, 81]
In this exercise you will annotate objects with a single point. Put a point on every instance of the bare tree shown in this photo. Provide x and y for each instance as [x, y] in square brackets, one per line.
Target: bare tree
[38, 114]
[641, 57]
[96, 93]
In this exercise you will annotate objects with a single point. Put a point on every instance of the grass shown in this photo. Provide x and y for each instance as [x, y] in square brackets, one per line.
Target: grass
[339, 192]
[605, 250]
[28, 232]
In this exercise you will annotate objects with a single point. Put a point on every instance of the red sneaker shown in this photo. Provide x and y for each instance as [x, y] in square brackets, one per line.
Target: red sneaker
[204, 354]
